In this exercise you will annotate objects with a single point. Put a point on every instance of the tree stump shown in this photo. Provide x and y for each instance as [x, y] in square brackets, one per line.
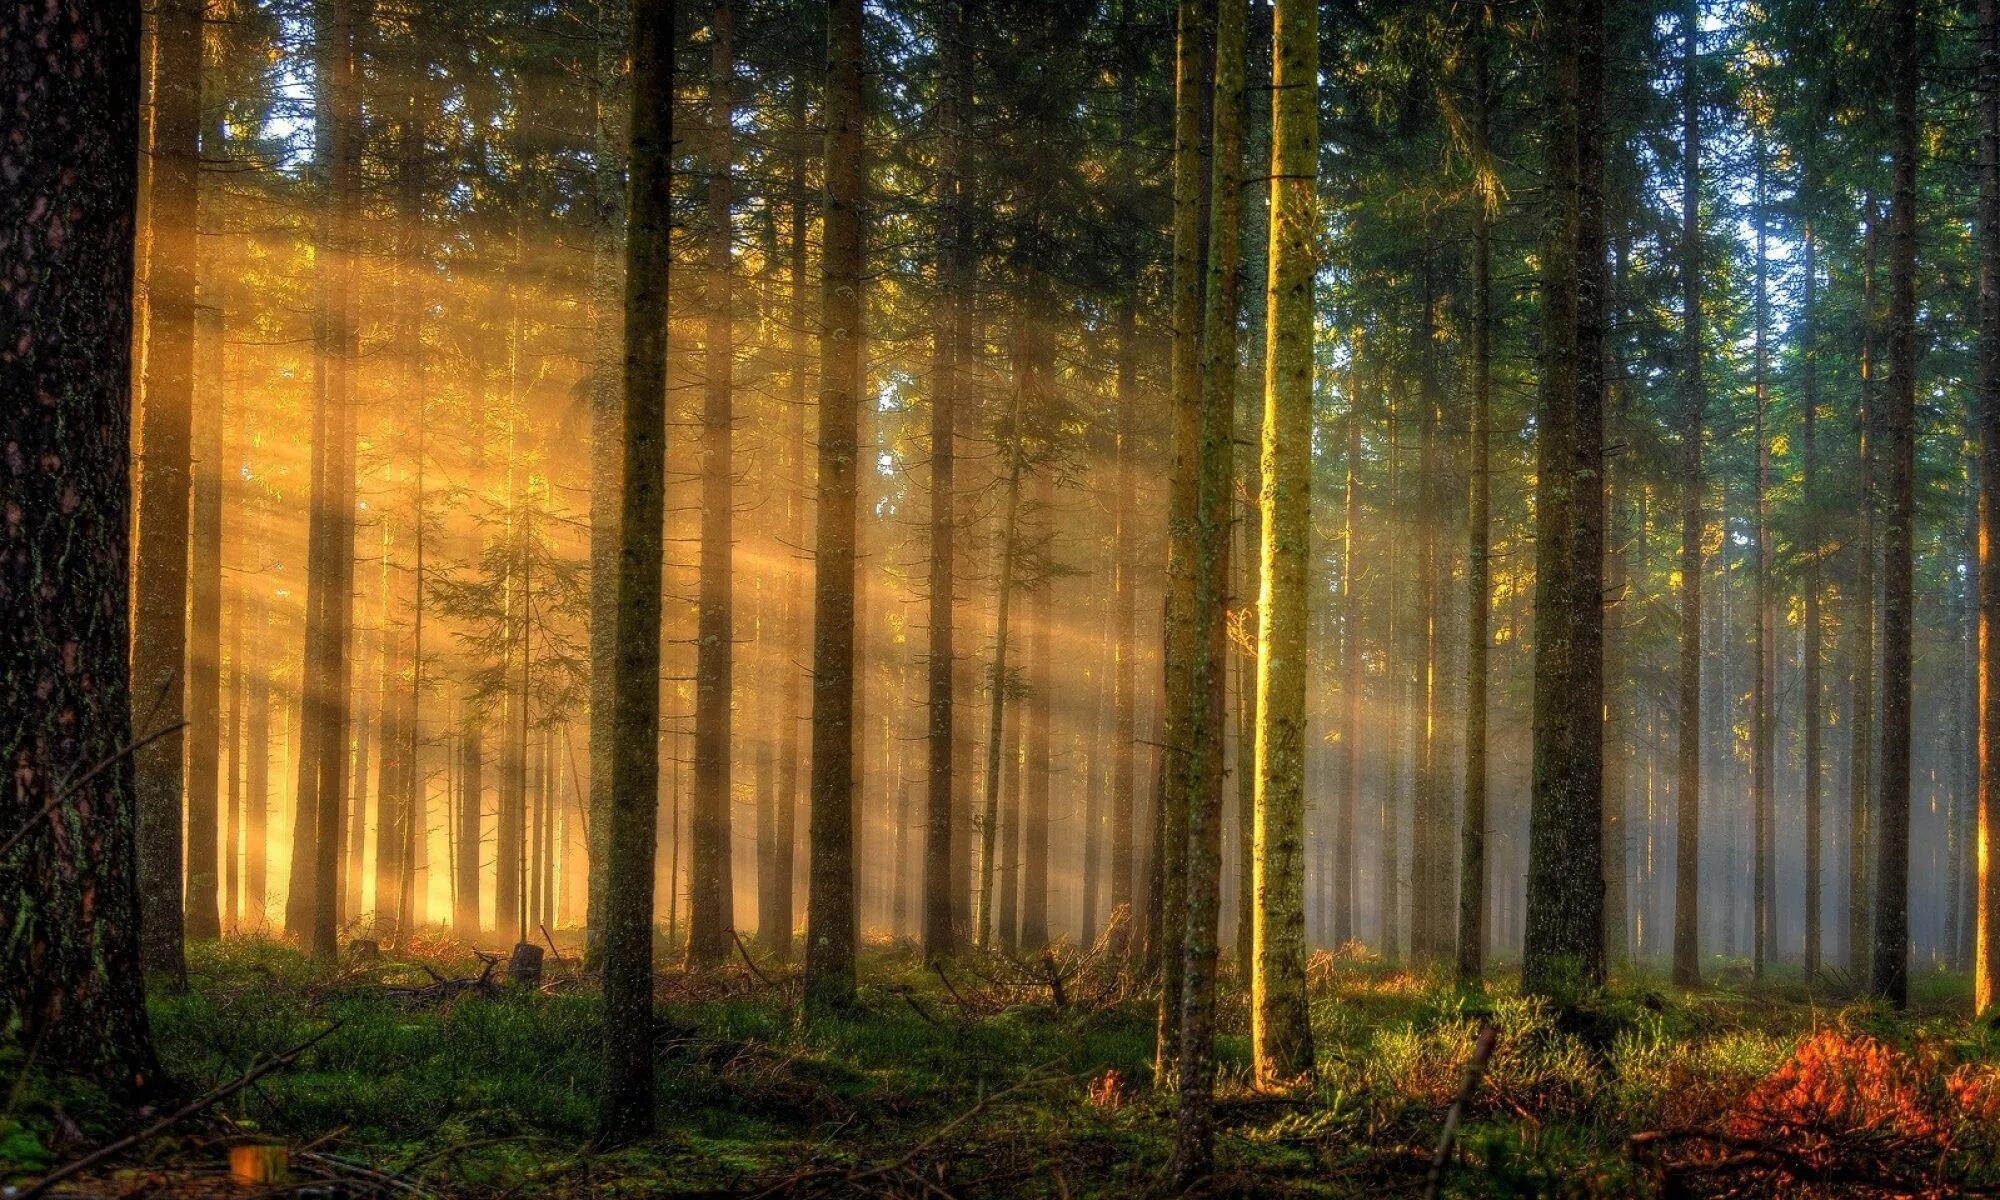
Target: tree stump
[524, 968]
[364, 949]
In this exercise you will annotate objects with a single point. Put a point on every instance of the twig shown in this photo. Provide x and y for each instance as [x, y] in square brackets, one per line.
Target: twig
[938, 966]
[919, 1009]
[553, 952]
[745, 952]
[69, 789]
[1482, 1051]
[192, 1108]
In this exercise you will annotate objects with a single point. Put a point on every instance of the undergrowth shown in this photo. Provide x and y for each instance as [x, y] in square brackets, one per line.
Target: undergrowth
[977, 1082]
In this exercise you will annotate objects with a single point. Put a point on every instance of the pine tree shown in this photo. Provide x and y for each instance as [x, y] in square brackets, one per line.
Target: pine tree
[830, 923]
[1280, 1029]
[625, 1099]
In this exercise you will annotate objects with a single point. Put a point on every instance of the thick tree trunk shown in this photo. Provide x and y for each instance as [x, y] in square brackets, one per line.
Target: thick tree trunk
[73, 986]
[830, 906]
[1564, 935]
[1280, 1031]
[711, 890]
[626, 1101]
[1890, 970]
[161, 485]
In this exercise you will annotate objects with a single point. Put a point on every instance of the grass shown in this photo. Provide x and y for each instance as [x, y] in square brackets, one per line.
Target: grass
[986, 1088]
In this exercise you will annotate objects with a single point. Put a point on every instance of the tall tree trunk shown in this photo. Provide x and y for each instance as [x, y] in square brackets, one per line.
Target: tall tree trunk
[1564, 935]
[313, 904]
[1472, 833]
[1890, 973]
[1041, 682]
[830, 907]
[710, 921]
[1986, 938]
[607, 389]
[1815, 547]
[1007, 910]
[1203, 719]
[257, 748]
[954, 272]
[783, 867]
[1194, 38]
[625, 1101]
[1346, 866]
[1762, 754]
[161, 486]
[73, 979]
[204, 659]
[1861, 706]
[1280, 1032]
[996, 731]
[1687, 787]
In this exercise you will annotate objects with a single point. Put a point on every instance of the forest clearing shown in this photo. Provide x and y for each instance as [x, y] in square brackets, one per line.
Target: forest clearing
[987, 598]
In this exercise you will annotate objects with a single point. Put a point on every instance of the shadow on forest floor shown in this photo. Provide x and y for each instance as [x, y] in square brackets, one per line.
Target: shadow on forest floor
[1000, 1077]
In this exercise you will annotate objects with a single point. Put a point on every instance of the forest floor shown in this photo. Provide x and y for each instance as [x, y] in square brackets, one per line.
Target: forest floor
[999, 1078]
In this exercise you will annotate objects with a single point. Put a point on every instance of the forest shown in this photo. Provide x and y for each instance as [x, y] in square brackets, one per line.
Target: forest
[962, 599]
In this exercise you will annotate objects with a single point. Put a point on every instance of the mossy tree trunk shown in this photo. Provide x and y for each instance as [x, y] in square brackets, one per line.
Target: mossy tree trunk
[1204, 720]
[73, 985]
[1280, 1031]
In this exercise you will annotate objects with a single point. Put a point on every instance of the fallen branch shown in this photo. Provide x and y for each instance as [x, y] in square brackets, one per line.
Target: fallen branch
[191, 1108]
[748, 962]
[1482, 1053]
[938, 966]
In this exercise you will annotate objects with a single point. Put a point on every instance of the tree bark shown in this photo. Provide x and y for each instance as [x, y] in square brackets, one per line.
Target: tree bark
[1472, 833]
[1687, 787]
[626, 1101]
[954, 278]
[1861, 705]
[830, 906]
[161, 484]
[1814, 548]
[711, 891]
[1203, 719]
[1564, 935]
[1280, 1031]
[71, 904]
[608, 139]
[1762, 734]
[1890, 970]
